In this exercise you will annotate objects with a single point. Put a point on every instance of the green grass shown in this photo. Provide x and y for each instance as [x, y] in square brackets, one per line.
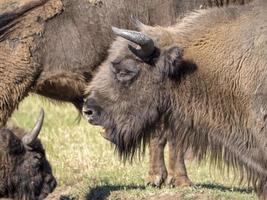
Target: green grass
[82, 159]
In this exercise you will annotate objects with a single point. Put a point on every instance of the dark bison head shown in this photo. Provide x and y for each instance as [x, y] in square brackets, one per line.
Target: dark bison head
[25, 171]
[128, 94]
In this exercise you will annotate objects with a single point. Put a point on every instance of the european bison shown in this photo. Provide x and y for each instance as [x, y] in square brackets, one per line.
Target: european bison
[25, 171]
[205, 78]
[54, 49]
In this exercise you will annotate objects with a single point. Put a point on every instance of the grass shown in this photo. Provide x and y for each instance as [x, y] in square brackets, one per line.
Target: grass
[86, 162]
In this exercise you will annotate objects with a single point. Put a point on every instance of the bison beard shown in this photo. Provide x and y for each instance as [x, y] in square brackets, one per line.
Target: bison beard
[206, 79]
[25, 172]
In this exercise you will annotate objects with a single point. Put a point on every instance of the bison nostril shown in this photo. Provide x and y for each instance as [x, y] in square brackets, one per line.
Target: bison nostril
[89, 112]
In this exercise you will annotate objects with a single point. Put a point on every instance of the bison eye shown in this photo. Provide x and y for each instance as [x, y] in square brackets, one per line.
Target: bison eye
[37, 164]
[124, 71]
[124, 75]
[36, 160]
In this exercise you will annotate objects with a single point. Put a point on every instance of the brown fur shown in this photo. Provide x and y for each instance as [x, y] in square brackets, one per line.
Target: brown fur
[18, 68]
[58, 50]
[207, 80]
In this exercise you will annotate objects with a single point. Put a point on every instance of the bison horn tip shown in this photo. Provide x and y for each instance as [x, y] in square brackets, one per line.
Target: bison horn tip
[30, 137]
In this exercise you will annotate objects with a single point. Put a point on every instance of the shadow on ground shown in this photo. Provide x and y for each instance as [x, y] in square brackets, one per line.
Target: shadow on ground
[222, 188]
[103, 191]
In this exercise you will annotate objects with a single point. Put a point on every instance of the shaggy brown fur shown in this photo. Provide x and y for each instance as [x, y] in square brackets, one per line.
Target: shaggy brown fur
[18, 68]
[54, 52]
[25, 173]
[206, 79]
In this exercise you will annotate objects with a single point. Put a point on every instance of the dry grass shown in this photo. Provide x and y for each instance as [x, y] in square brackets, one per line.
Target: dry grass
[86, 162]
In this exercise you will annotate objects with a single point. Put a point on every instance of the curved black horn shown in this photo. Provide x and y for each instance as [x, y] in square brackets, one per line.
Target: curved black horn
[144, 41]
[29, 138]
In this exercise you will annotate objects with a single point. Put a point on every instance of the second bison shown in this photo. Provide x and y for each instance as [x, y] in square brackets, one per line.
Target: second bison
[25, 171]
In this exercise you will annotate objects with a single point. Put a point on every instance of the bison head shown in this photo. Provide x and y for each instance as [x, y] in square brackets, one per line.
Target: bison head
[25, 171]
[129, 94]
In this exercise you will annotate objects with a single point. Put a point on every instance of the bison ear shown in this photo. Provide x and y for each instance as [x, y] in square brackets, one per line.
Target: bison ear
[173, 61]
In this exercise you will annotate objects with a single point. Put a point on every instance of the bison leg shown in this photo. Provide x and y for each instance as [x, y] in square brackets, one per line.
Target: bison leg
[157, 168]
[177, 174]
[261, 189]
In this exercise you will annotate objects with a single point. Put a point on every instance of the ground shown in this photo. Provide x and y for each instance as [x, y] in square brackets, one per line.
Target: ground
[87, 167]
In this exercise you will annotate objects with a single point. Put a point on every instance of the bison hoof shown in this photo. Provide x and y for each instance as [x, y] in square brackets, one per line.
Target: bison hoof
[179, 181]
[157, 180]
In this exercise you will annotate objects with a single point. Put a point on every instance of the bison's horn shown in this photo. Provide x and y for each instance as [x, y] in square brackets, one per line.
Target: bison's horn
[144, 41]
[29, 138]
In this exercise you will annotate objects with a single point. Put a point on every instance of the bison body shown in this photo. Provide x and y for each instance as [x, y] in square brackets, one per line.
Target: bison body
[205, 77]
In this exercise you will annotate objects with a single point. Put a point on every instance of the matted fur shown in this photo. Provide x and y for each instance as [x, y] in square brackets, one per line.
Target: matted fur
[208, 82]
[19, 70]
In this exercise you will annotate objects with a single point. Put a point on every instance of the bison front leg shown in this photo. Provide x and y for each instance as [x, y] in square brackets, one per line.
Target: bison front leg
[261, 189]
[177, 174]
[157, 169]
[17, 75]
